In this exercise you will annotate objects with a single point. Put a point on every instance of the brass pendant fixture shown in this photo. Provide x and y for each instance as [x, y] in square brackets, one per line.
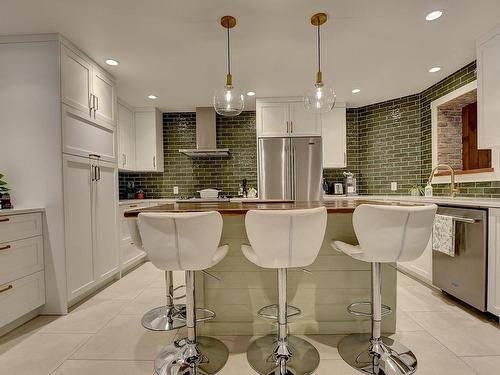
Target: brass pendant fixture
[228, 101]
[320, 99]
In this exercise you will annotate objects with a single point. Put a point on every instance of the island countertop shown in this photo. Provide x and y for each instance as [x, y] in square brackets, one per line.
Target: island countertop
[241, 208]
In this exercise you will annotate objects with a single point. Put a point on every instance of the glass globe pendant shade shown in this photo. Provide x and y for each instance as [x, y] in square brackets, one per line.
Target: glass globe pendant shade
[320, 99]
[228, 101]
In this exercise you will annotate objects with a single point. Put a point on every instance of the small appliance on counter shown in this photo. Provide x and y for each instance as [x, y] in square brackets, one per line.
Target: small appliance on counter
[140, 194]
[350, 184]
[130, 190]
[338, 188]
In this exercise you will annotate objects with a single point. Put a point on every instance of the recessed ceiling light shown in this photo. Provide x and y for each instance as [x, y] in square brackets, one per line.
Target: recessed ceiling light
[152, 97]
[435, 69]
[355, 91]
[251, 93]
[112, 62]
[434, 15]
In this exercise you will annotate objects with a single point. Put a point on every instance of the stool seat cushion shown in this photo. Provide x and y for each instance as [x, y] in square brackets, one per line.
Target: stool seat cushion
[389, 233]
[186, 241]
[284, 238]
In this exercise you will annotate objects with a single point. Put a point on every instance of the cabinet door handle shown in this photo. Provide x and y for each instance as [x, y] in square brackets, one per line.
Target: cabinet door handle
[96, 103]
[154, 161]
[291, 126]
[91, 104]
[5, 247]
[6, 288]
[4, 220]
[345, 157]
[98, 173]
[92, 173]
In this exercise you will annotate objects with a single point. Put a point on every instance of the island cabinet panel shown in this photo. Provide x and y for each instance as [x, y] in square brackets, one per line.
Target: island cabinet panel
[488, 89]
[493, 298]
[323, 294]
[90, 191]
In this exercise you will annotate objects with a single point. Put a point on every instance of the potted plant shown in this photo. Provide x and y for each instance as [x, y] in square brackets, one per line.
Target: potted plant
[416, 190]
[4, 193]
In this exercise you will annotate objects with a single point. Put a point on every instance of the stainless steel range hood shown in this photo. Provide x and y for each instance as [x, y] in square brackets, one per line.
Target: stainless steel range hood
[206, 136]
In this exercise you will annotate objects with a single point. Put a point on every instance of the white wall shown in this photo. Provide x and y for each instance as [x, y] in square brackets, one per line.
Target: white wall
[30, 147]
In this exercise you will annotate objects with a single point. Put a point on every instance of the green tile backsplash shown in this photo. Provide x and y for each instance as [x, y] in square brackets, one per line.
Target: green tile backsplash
[192, 174]
[388, 141]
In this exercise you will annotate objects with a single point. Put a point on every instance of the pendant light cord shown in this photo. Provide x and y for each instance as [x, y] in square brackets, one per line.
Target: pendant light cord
[319, 48]
[228, 53]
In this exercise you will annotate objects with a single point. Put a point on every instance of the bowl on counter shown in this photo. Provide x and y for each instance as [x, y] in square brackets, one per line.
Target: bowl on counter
[208, 193]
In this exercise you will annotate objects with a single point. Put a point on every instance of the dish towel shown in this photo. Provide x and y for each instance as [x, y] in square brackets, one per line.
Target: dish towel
[443, 235]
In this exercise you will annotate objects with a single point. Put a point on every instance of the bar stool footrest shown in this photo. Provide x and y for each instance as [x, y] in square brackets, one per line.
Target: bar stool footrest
[178, 297]
[208, 315]
[386, 310]
[267, 313]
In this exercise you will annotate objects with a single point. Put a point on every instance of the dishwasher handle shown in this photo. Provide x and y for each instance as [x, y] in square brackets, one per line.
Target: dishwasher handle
[467, 220]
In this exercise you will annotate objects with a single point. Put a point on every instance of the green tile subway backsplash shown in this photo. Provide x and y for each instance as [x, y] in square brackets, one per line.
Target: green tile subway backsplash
[388, 141]
[191, 174]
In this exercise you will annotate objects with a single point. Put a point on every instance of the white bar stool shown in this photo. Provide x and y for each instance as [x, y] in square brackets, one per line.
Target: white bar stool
[283, 239]
[160, 318]
[187, 242]
[386, 234]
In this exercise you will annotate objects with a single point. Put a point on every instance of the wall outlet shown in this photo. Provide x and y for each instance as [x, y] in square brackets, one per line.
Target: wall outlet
[394, 186]
[176, 189]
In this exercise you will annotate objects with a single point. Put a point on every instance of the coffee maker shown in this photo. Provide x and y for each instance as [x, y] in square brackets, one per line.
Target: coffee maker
[350, 184]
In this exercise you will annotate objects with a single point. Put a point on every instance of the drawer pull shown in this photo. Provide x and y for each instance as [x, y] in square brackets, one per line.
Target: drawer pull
[4, 220]
[6, 288]
[5, 247]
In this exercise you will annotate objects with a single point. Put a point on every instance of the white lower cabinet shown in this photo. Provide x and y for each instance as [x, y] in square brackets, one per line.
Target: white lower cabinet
[421, 268]
[90, 197]
[130, 254]
[493, 287]
[21, 296]
[22, 282]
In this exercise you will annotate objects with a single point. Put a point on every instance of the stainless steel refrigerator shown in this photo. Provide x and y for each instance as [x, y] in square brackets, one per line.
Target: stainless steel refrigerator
[290, 168]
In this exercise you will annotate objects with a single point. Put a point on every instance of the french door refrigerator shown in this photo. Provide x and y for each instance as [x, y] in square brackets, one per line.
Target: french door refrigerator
[290, 168]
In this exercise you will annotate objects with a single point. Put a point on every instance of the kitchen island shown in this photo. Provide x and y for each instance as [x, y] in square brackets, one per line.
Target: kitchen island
[322, 292]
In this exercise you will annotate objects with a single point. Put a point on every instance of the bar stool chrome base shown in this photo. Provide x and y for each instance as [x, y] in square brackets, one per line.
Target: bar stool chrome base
[297, 358]
[163, 318]
[392, 358]
[205, 357]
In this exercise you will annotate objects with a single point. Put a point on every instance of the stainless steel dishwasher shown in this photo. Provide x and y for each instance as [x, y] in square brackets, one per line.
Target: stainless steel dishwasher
[464, 275]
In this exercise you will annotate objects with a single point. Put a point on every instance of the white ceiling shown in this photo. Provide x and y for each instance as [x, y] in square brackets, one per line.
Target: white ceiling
[176, 48]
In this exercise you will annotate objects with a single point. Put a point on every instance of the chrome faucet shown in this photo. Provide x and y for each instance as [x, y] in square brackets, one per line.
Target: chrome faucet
[453, 190]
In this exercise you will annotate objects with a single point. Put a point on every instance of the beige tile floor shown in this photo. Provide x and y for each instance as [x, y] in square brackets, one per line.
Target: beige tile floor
[103, 335]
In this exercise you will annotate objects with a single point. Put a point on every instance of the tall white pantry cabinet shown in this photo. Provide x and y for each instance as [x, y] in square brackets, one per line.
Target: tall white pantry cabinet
[79, 166]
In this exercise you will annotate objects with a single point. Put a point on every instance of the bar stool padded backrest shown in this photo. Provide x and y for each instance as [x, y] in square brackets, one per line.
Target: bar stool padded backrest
[393, 233]
[284, 238]
[186, 241]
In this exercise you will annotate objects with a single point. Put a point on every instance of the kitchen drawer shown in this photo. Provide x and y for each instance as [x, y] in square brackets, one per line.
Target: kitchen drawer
[21, 296]
[18, 227]
[20, 258]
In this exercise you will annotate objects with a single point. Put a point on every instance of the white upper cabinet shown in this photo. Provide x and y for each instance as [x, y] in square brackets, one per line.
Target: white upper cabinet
[103, 89]
[148, 140]
[272, 119]
[488, 89]
[87, 88]
[126, 137]
[333, 126]
[302, 122]
[76, 77]
[285, 117]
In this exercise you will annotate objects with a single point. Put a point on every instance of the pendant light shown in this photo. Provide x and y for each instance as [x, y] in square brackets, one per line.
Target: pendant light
[228, 101]
[320, 99]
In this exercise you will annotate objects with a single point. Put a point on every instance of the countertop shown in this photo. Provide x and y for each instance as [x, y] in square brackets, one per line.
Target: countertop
[240, 208]
[21, 210]
[173, 200]
[457, 201]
